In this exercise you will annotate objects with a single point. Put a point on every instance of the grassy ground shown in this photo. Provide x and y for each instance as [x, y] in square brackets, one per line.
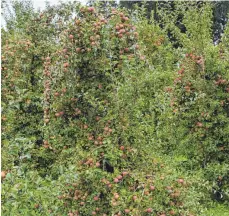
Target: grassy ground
[218, 210]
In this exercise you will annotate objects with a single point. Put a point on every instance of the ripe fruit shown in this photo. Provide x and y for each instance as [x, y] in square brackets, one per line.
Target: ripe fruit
[149, 210]
[116, 180]
[199, 61]
[48, 59]
[122, 148]
[181, 181]
[125, 173]
[120, 35]
[146, 193]
[124, 19]
[46, 120]
[96, 198]
[116, 196]
[121, 52]
[119, 177]
[3, 174]
[57, 114]
[106, 129]
[46, 142]
[199, 124]
[135, 34]
[142, 58]
[172, 212]
[97, 164]
[135, 197]
[78, 50]
[122, 31]
[99, 138]
[71, 36]
[126, 49]
[152, 187]
[127, 211]
[114, 203]
[91, 9]
[77, 22]
[66, 64]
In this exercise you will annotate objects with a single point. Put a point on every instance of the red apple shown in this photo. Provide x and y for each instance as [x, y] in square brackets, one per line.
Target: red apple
[116, 196]
[48, 59]
[126, 49]
[77, 22]
[172, 212]
[152, 188]
[149, 210]
[96, 198]
[127, 211]
[120, 35]
[116, 180]
[119, 177]
[91, 9]
[66, 64]
[135, 197]
[122, 148]
[181, 181]
[46, 120]
[57, 114]
[3, 174]
[78, 49]
[125, 173]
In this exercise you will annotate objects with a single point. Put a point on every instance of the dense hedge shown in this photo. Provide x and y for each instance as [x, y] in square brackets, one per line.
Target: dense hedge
[107, 112]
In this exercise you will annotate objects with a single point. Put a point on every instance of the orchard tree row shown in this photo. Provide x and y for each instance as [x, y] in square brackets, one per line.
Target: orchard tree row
[109, 111]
